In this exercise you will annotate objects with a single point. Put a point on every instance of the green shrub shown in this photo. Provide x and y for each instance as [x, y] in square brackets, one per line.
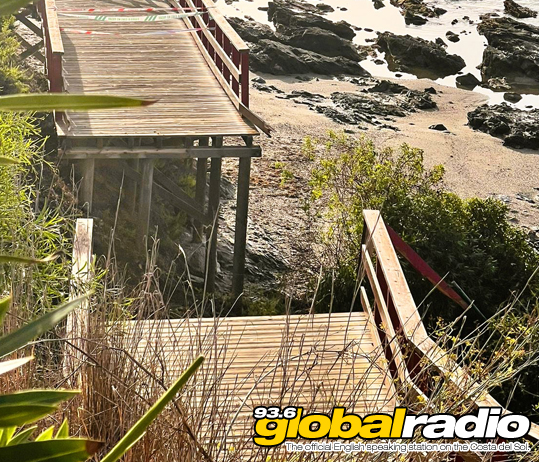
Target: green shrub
[469, 240]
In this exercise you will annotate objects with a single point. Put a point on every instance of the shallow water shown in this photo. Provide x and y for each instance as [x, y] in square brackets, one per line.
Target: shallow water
[361, 13]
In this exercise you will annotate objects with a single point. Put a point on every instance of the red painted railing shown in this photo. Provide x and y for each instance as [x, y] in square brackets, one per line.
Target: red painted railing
[54, 48]
[413, 357]
[226, 53]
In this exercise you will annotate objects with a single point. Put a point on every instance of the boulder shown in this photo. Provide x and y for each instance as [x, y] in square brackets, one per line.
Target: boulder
[378, 4]
[417, 10]
[323, 8]
[251, 31]
[512, 97]
[518, 128]
[287, 14]
[320, 41]
[512, 51]
[439, 127]
[452, 37]
[468, 81]
[281, 59]
[512, 8]
[418, 56]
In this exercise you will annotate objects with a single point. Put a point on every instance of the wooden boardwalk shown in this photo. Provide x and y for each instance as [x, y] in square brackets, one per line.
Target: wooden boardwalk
[196, 68]
[133, 62]
[314, 361]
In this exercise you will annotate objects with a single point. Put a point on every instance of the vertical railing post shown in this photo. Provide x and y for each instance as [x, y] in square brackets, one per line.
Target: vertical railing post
[236, 61]
[245, 78]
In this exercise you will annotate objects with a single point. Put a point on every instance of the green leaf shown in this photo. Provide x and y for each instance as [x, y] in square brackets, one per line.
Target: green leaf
[27, 260]
[8, 366]
[21, 414]
[5, 435]
[18, 339]
[67, 102]
[22, 437]
[8, 7]
[63, 431]
[46, 435]
[137, 431]
[5, 303]
[48, 397]
[8, 161]
[64, 450]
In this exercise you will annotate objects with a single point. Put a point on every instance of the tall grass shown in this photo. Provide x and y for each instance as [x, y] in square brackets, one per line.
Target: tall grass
[135, 351]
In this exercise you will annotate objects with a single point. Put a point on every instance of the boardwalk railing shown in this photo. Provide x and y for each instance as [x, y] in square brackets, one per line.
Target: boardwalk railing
[54, 48]
[413, 357]
[226, 53]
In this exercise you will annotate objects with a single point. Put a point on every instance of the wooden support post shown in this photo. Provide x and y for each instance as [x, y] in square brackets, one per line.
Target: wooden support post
[78, 322]
[145, 199]
[240, 237]
[86, 193]
[131, 187]
[200, 191]
[213, 206]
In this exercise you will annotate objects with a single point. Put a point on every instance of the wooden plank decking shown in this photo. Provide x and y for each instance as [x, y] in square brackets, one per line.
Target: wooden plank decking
[316, 361]
[169, 68]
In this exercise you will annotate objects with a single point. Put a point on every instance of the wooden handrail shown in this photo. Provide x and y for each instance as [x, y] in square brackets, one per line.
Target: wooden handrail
[225, 52]
[406, 320]
[54, 47]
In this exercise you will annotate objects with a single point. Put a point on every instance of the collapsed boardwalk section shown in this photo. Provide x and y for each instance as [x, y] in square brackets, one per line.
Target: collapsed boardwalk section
[194, 67]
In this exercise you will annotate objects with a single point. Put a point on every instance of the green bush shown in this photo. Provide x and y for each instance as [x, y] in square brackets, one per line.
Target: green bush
[470, 241]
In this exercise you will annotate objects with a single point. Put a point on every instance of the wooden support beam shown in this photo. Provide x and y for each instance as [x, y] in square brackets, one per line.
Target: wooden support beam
[145, 199]
[196, 152]
[86, 194]
[214, 202]
[240, 237]
[200, 191]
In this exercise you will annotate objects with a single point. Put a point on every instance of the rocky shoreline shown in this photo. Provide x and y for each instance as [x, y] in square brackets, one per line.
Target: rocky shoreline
[310, 77]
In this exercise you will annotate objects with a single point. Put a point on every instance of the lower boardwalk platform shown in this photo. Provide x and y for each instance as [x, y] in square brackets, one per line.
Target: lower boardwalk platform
[313, 361]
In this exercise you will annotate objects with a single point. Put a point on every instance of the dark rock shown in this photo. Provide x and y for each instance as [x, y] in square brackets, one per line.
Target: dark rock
[519, 129]
[518, 11]
[452, 37]
[498, 84]
[251, 31]
[512, 97]
[431, 90]
[418, 56]
[469, 81]
[378, 4]
[258, 80]
[418, 9]
[440, 42]
[280, 59]
[305, 95]
[292, 13]
[320, 41]
[455, 21]
[263, 8]
[415, 19]
[414, 99]
[379, 62]
[512, 51]
[367, 29]
[439, 127]
[325, 8]
[267, 88]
